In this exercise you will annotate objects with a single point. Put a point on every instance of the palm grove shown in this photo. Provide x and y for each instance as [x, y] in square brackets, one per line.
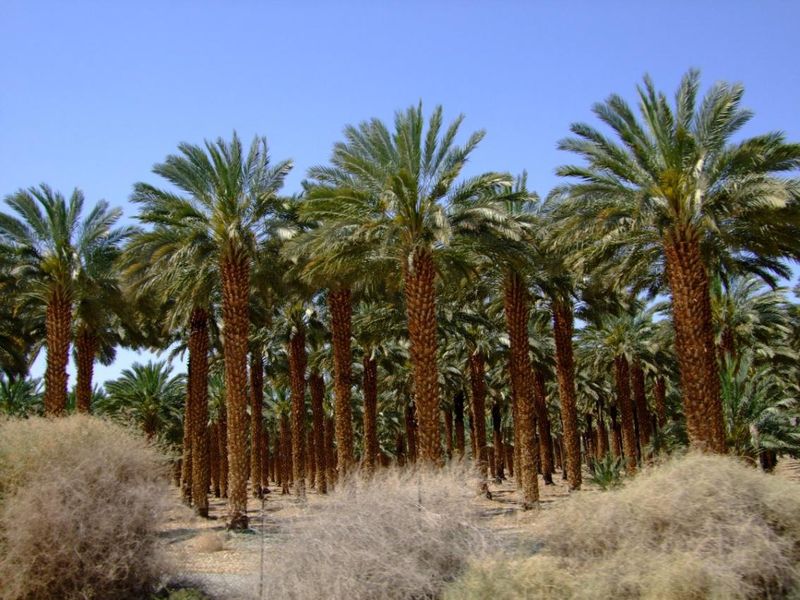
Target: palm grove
[398, 311]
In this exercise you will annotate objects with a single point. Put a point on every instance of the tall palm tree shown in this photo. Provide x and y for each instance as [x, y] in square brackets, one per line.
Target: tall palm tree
[397, 191]
[673, 190]
[51, 245]
[229, 193]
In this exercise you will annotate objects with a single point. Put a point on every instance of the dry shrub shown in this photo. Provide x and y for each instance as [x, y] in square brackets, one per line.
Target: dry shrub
[209, 542]
[80, 502]
[696, 527]
[402, 534]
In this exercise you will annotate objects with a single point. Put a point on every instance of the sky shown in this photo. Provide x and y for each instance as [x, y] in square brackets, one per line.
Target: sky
[92, 94]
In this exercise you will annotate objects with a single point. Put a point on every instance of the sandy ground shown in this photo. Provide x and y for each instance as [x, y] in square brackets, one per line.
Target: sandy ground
[227, 565]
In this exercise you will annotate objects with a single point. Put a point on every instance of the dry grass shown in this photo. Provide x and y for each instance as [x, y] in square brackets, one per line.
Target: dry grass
[695, 527]
[209, 542]
[402, 534]
[81, 500]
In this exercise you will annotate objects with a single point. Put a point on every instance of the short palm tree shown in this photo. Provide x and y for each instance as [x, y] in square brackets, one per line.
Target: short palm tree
[50, 245]
[226, 195]
[397, 191]
[673, 190]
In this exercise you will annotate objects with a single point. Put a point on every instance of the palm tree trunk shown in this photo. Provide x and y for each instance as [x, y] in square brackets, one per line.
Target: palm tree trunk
[477, 368]
[694, 341]
[86, 349]
[317, 385]
[602, 433]
[517, 312]
[370, 413]
[265, 460]
[198, 374]
[622, 376]
[186, 462]
[420, 297]
[256, 421]
[286, 453]
[497, 441]
[411, 431]
[235, 272]
[543, 420]
[311, 458]
[330, 452]
[214, 459]
[222, 443]
[660, 396]
[447, 415]
[340, 305]
[565, 370]
[297, 373]
[458, 417]
[640, 404]
[58, 323]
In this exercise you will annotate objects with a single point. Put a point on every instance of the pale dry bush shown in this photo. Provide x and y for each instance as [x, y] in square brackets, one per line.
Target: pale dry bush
[402, 534]
[696, 527]
[209, 542]
[80, 503]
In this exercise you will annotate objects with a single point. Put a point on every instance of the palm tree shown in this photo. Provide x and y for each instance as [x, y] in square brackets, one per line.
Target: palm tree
[20, 397]
[676, 193]
[229, 196]
[148, 396]
[50, 246]
[397, 193]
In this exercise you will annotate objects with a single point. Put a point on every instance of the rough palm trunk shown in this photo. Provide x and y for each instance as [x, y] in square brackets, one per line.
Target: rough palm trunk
[340, 304]
[317, 385]
[214, 458]
[286, 453]
[311, 458]
[694, 341]
[86, 350]
[497, 441]
[235, 273]
[543, 420]
[256, 422]
[58, 323]
[458, 418]
[447, 416]
[565, 370]
[622, 377]
[186, 462]
[602, 434]
[265, 459]
[222, 441]
[640, 406]
[411, 431]
[297, 374]
[370, 413]
[330, 451]
[660, 397]
[420, 297]
[516, 308]
[198, 374]
[477, 368]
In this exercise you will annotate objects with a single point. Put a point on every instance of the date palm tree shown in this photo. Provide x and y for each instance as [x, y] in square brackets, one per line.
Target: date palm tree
[398, 192]
[50, 246]
[226, 194]
[673, 190]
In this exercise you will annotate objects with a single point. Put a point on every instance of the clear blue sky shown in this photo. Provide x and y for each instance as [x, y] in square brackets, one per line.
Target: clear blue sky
[92, 94]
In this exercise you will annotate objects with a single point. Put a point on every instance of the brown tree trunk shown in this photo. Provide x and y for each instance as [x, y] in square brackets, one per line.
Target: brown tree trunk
[222, 441]
[286, 454]
[477, 369]
[297, 373]
[543, 420]
[256, 422]
[497, 441]
[622, 376]
[660, 397]
[370, 413]
[186, 462]
[235, 273]
[411, 431]
[616, 432]
[420, 296]
[694, 341]
[458, 417]
[86, 349]
[330, 449]
[565, 369]
[447, 416]
[214, 458]
[602, 433]
[58, 323]
[311, 458]
[265, 460]
[317, 385]
[640, 406]
[198, 374]
[340, 305]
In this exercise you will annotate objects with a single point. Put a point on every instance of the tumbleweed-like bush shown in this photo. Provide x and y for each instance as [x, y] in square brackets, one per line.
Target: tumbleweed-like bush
[699, 526]
[80, 503]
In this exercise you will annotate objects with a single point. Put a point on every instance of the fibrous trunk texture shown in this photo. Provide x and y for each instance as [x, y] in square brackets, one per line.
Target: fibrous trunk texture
[317, 385]
[477, 368]
[86, 349]
[297, 374]
[565, 370]
[340, 305]
[256, 422]
[286, 454]
[370, 413]
[411, 431]
[543, 420]
[330, 451]
[186, 462]
[660, 398]
[458, 418]
[694, 341]
[497, 441]
[640, 406]
[198, 374]
[420, 297]
[222, 443]
[58, 323]
[235, 273]
[622, 376]
[213, 455]
[265, 460]
[516, 307]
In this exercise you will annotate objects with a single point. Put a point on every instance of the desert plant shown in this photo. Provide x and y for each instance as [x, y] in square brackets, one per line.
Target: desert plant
[607, 471]
[81, 500]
